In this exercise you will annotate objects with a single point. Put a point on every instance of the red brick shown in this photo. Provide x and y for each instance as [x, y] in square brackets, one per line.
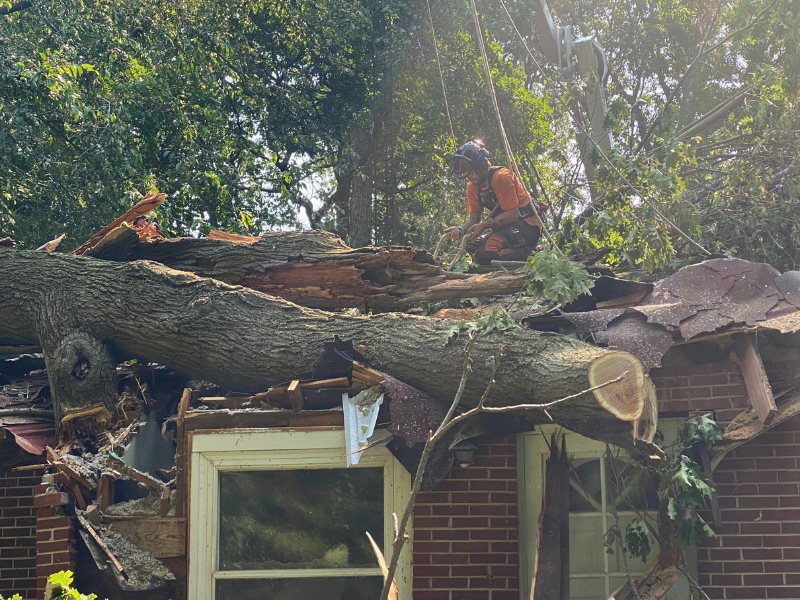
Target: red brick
[786, 566]
[54, 499]
[754, 528]
[59, 546]
[711, 379]
[53, 523]
[755, 477]
[473, 497]
[469, 547]
[487, 486]
[758, 502]
[763, 579]
[506, 547]
[449, 559]
[489, 534]
[448, 534]
[470, 571]
[431, 522]
[432, 546]
[431, 595]
[742, 541]
[470, 522]
[420, 583]
[487, 559]
[745, 593]
[431, 571]
[504, 498]
[726, 580]
[461, 510]
[762, 554]
[784, 592]
[436, 498]
[777, 463]
[497, 510]
[449, 582]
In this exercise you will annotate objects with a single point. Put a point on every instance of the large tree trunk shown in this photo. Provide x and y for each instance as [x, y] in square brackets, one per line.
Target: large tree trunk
[86, 313]
[313, 268]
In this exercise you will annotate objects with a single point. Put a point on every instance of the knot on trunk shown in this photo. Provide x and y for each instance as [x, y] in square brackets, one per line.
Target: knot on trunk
[82, 373]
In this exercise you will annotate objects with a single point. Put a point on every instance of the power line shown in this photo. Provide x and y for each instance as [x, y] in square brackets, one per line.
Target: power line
[596, 146]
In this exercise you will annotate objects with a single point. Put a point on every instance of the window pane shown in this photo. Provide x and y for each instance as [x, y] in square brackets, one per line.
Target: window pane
[304, 519]
[329, 588]
[585, 490]
[586, 549]
[587, 588]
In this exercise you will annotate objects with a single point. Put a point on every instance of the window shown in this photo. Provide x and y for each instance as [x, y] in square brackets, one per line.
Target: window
[593, 572]
[276, 514]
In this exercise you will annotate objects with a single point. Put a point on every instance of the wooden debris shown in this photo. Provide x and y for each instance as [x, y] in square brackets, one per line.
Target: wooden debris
[163, 538]
[92, 514]
[150, 202]
[369, 376]
[30, 468]
[165, 501]
[182, 457]
[248, 419]
[759, 391]
[85, 421]
[66, 470]
[115, 462]
[105, 491]
[394, 591]
[168, 474]
[625, 399]
[79, 500]
[295, 396]
[90, 530]
[551, 571]
[52, 244]
[748, 425]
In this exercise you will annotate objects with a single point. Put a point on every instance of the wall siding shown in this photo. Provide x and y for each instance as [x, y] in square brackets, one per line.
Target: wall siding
[465, 531]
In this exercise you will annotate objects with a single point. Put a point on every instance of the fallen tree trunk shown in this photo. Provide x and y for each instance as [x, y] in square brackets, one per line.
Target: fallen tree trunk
[88, 313]
[312, 268]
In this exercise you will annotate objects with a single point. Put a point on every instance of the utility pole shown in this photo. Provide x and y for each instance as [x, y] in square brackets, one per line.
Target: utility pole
[586, 59]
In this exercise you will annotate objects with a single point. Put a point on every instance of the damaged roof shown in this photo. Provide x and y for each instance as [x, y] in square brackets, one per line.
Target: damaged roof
[710, 297]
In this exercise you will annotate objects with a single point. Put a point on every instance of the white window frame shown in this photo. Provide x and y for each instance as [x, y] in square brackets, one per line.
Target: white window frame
[218, 451]
[531, 452]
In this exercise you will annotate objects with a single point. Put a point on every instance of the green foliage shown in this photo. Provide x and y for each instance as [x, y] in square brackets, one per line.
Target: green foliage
[59, 588]
[556, 278]
[498, 320]
[637, 539]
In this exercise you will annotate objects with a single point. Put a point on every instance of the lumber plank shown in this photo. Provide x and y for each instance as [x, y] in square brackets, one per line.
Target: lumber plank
[256, 419]
[116, 463]
[105, 491]
[369, 376]
[181, 458]
[759, 391]
[295, 396]
[162, 537]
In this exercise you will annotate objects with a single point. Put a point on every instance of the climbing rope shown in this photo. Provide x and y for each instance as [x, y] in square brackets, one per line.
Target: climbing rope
[506, 144]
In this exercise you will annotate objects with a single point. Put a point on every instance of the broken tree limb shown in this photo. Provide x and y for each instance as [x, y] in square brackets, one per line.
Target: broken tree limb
[251, 341]
[313, 268]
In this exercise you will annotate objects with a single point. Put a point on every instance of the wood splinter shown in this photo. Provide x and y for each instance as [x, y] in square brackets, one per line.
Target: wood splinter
[90, 530]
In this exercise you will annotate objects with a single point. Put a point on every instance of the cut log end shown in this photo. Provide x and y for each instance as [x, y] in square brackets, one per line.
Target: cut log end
[619, 380]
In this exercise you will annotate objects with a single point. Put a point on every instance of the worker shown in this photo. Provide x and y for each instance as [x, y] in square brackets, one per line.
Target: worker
[513, 222]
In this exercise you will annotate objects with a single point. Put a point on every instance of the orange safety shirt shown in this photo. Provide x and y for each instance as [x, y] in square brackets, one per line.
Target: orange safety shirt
[509, 191]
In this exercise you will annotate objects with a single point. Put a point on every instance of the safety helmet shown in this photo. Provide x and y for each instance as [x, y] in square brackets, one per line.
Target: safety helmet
[472, 156]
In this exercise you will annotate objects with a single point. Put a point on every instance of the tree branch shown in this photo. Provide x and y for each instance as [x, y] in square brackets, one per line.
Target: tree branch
[16, 7]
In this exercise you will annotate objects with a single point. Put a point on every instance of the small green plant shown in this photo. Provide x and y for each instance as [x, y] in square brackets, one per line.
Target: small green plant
[556, 278]
[58, 588]
[498, 320]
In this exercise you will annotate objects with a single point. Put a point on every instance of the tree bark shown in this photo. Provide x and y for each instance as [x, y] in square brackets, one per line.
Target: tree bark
[313, 268]
[248, 341]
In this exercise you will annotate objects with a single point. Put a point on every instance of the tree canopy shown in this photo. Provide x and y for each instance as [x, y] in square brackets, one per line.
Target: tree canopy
[254, 115]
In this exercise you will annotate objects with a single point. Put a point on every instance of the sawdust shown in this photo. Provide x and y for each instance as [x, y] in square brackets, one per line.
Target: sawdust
[140, 566]
[149, 506]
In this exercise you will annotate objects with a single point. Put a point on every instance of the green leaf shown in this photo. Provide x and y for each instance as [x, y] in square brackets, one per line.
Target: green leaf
[62, 578]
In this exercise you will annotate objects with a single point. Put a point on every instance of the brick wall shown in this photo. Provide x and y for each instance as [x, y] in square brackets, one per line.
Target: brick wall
[55, 545]
[17, 534]
[756, 553]
[465, 531]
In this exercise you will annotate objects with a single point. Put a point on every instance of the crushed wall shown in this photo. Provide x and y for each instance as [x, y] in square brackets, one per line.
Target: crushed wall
[17, 534]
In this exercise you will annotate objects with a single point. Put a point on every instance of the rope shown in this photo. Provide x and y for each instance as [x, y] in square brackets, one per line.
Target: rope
[596, 146]
[441, 78]
[507, 145]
